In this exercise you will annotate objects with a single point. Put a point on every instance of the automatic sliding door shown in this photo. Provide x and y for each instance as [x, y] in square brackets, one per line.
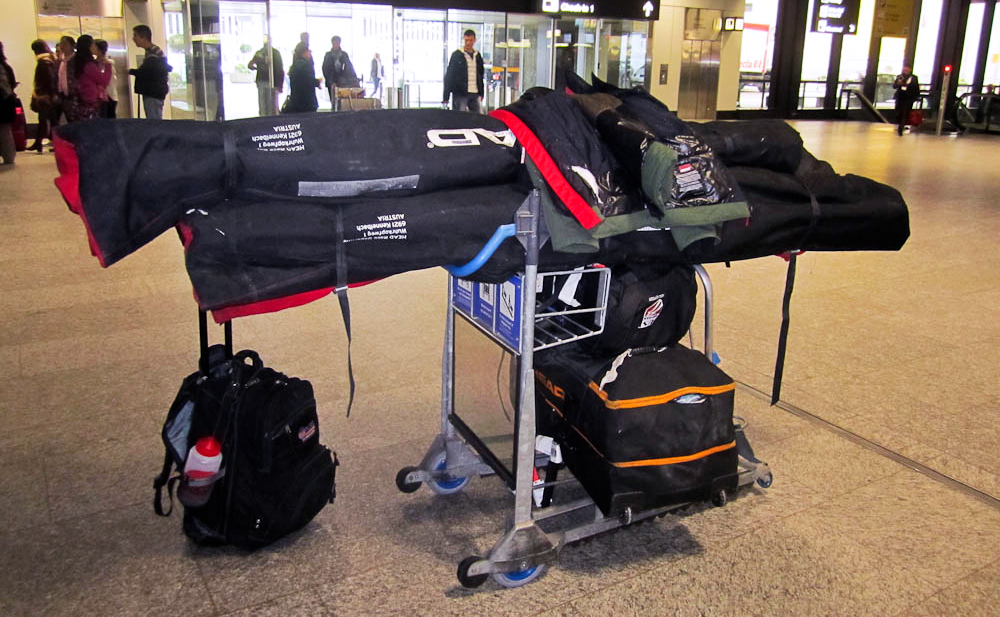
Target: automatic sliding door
[527, 54]
[421, 56]
[621, 54]
[490, 42]
[576, 49]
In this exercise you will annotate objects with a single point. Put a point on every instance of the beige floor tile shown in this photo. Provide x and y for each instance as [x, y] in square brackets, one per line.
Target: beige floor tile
[968, 473]
[976, 596]
[89, 318]
[916, 523]
[827, 464]
[22, 483]
[121, 562]
[877, 432]
[303, 604]
[793, 567]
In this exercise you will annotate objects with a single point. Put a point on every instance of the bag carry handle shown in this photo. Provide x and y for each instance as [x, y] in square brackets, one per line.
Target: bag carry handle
[203, 340]
[239, 360]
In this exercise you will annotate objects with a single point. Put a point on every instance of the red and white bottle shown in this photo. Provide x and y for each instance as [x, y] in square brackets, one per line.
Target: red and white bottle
[201, 470]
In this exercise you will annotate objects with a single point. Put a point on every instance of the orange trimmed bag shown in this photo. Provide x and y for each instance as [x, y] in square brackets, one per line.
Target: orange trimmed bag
[645, 429]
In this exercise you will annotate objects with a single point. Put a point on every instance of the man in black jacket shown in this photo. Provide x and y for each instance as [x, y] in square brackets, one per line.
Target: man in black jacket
[907, 91]
[151, 76]
[464, 77]
[338, 71]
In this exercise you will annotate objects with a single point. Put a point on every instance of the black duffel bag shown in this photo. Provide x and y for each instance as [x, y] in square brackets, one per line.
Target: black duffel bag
[275, 476]
[649, 305]
[640, 430]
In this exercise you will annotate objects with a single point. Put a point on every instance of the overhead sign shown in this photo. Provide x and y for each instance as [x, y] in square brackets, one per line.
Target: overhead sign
[893, 18]
[836, 16]
[98, 8]
[622, 9]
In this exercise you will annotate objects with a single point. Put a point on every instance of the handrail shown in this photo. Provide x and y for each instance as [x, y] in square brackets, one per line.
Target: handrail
[502, 233]
[867, 104]
[980, 116]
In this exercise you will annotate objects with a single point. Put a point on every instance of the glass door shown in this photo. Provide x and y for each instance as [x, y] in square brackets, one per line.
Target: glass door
[621, 53]
[177, 29]
[420, 55]
[491, 42]
[524, 50]
[575, 49]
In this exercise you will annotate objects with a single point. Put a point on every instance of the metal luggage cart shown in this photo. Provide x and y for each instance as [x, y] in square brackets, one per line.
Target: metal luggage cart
[457, 454]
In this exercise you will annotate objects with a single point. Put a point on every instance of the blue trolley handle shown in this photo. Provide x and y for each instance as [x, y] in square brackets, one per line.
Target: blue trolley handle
[502, 233]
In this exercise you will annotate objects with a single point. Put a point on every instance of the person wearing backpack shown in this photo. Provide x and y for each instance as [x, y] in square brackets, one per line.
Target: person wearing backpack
[151, 76]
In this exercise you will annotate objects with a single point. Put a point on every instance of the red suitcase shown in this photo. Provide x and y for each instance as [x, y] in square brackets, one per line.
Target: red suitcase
[18, 127]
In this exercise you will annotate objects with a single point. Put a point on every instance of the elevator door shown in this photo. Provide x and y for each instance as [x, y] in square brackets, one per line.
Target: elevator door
[699, 80]
[701, 50]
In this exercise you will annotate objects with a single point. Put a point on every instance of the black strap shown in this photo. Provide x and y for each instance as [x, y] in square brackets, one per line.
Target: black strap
[229, 145]
[779, 364]
[159, 482]
[203, 342]
[345, 306]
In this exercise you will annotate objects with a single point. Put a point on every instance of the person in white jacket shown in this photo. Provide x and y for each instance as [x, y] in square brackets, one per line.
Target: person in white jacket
[110, 105]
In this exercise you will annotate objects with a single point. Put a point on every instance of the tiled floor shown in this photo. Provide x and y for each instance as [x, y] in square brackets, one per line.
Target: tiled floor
[900, 349]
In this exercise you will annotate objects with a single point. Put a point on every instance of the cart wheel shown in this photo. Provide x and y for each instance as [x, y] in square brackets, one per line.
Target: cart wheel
[765, 481]
[463, 573]
[720, 498]
[445, 487]
[518, 578]
[402, 484]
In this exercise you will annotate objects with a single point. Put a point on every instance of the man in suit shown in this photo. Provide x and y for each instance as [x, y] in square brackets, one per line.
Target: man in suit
[907, 91]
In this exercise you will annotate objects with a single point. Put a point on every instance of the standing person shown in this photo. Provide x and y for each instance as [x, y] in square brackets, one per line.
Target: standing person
[110, 106]
[302, 83]
[304, 39]
[267, 88]
[151, 76]
[43, 92]
[65, 50]
[464, 79]
[8, 110]
[907, 90]
[88, 82]
[377, 75]
[338, 71]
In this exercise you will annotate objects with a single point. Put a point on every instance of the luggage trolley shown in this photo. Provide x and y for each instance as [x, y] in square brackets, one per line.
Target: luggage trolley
[522, 554]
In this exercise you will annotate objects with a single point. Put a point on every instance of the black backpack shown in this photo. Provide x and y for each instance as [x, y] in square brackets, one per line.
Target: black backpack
[275, 476]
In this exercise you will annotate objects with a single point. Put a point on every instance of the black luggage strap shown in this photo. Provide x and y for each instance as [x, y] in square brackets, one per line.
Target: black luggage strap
[345, 306]
[779, 364]
[229, 150]
[162, 480]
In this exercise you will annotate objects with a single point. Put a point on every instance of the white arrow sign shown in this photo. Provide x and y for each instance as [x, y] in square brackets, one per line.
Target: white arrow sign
[647, 8]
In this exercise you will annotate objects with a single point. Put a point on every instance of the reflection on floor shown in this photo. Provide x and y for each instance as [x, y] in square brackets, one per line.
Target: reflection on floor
[897, 348]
